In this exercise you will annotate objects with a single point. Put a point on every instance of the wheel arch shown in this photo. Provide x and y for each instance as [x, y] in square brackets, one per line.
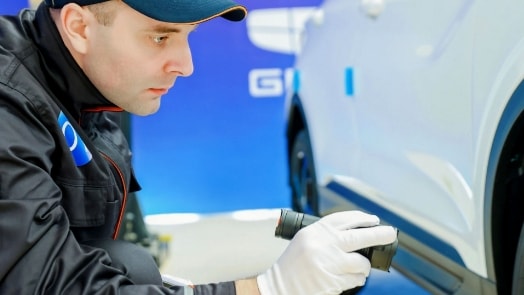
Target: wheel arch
[296, 121]
[510, 125]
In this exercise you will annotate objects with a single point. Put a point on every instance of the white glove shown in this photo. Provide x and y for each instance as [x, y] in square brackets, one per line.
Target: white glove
[320, 258]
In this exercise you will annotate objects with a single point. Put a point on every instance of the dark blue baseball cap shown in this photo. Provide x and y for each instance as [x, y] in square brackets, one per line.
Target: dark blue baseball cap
[174, 11]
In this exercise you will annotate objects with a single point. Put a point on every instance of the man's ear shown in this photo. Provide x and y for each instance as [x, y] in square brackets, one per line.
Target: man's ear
[74, 21]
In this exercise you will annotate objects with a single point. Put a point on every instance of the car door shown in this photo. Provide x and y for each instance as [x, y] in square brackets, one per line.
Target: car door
[412, 104]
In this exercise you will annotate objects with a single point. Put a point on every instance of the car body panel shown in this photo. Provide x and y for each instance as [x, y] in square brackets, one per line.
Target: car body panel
[402, 107]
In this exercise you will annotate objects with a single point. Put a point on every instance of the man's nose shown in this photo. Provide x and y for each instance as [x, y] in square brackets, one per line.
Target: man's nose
[180, 62]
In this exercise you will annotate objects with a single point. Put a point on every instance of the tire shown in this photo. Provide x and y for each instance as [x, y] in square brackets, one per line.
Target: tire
[518, 271]
[302, 176]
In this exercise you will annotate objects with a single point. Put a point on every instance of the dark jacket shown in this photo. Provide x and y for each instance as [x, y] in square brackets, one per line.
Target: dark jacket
[65, 170]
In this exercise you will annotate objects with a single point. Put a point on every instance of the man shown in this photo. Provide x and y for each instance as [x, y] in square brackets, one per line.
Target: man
[68, 70]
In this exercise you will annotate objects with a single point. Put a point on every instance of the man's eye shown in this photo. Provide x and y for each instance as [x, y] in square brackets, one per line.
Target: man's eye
[159, 39]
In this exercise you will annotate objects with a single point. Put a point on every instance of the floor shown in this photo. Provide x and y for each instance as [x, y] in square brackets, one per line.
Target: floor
[218, 247]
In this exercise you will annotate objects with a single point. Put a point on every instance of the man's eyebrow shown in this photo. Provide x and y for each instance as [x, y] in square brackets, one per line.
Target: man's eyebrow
[164, 29]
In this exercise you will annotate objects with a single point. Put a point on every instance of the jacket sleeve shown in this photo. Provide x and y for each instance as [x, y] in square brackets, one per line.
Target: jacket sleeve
[38, 252]
[215, 289]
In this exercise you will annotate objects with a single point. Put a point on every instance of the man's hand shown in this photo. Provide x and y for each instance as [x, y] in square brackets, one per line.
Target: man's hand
[320, 258]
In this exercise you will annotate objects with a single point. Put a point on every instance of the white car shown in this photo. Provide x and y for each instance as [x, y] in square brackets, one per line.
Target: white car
[414, 110]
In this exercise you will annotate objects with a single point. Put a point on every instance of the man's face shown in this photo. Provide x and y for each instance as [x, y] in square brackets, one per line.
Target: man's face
[135, 60]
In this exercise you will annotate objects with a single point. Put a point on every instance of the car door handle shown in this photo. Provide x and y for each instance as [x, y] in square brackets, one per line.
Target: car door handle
[372, 8]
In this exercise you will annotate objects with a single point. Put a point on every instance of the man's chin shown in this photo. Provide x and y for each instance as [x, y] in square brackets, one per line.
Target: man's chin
[146, 110]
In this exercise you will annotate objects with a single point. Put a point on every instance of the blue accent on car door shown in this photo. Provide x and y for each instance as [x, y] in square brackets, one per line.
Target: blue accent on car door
[350, 85]
[296, 81]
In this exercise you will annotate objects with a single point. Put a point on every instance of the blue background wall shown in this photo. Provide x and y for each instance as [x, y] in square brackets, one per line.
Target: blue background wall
[12, 6]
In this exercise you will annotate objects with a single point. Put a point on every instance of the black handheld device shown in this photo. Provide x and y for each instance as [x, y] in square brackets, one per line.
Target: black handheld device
[291, 222]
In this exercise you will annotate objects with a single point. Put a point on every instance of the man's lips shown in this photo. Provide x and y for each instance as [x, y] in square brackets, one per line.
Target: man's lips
[159, 91]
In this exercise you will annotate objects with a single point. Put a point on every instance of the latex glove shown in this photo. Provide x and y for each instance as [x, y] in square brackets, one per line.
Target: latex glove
[320, 258]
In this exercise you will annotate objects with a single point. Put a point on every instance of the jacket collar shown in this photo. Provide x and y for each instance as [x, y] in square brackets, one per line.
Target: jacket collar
[66, 79]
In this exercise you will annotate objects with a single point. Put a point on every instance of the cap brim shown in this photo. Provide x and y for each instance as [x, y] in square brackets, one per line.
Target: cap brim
[188, 11]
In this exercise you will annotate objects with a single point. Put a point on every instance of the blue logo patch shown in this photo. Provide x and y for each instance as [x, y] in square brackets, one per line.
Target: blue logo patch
[76, 145]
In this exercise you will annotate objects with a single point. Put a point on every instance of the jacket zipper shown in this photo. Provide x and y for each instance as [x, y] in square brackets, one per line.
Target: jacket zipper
[124, 197]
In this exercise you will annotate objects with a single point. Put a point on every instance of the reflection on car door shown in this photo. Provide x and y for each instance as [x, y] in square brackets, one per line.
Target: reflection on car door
[414, 125]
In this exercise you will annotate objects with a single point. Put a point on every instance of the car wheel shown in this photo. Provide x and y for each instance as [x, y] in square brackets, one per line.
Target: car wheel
[302, 175]
[518, 271]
